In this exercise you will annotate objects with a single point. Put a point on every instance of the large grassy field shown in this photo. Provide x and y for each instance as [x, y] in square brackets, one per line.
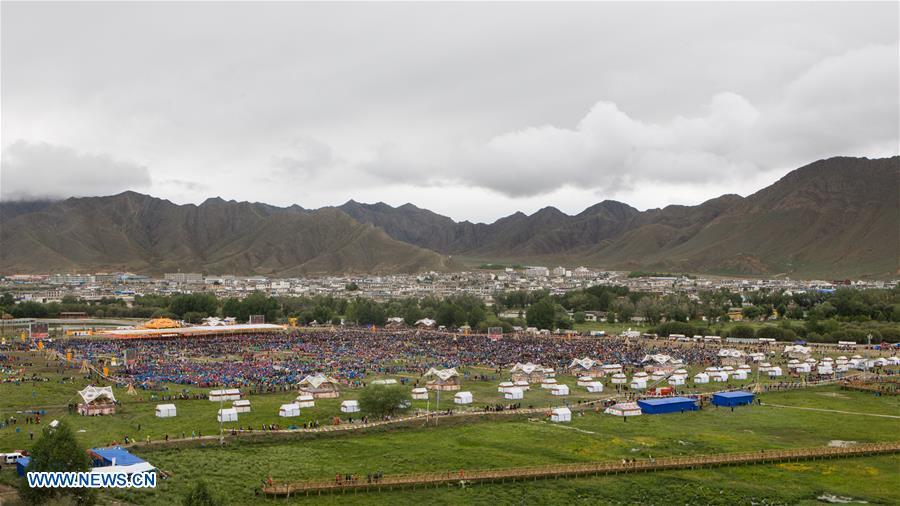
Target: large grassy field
[479, 442]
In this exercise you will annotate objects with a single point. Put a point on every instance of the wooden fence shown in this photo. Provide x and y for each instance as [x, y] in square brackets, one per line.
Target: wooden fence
[435, 479]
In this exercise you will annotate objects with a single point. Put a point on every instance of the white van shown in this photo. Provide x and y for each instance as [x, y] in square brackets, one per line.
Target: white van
[10, 458]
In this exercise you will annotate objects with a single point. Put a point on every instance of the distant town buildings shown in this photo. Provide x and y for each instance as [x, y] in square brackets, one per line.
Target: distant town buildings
[480, 283]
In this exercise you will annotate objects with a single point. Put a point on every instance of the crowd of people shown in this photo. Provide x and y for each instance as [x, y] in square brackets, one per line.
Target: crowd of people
[271, 362]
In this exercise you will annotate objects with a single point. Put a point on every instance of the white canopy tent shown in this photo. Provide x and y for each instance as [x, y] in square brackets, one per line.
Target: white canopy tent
[351, 406]
[289, 410]
[463, 398]
[561, 415]
[227, 415]
[594, 387]
[165, 410]
[305, 400]
[624, 409]
[514, 394]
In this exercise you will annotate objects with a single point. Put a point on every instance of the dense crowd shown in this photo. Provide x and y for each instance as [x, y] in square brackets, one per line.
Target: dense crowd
[274, 361]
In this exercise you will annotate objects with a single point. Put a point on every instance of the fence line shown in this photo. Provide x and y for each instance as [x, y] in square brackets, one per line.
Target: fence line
[435, 479]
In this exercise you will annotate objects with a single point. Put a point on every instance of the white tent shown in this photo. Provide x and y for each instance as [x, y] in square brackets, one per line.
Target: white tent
[624, 409]
[522, 384]
[241, 405]
[701, 378]
[165, 410]
[350, 407]
[505, 386]
[548, 383]
[289, 410]
[803, 368]
[740, 374]
[463, 398]
[719, 377]
[774, 372]
[229, 394]
[824, 369]
[658, 375]
[676, 380]
[388, 381]
[560, 390]
[619, 378]
[514, 393]
[612, 368]
[305, 400]
[638, 383]
[227, 415]
[595, 387]
[561, 415]
[91, 393]
[420, 393]
[584, 381]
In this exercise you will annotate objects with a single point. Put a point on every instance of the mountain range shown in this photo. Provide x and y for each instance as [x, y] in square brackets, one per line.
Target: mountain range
[834, 218]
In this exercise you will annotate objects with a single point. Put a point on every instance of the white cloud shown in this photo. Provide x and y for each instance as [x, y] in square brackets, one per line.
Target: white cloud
[42, 170]
[845, 105]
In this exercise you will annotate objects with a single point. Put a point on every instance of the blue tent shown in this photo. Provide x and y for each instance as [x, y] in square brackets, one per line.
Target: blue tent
[728, 399]
[667, 405]
[102, 457]
[22, 464]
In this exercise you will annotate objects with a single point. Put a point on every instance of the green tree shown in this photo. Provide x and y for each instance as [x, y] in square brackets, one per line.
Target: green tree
[541, 314]
[579, 317]
[201, 495]
[57, 450]
[742, 332]
[384, 400]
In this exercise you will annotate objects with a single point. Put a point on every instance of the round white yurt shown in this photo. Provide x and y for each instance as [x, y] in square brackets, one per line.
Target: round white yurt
[548, 383]
[619, 378]
[351, 406]
[803, 368]
[774, 372]
[306, 400]
[638, 383]
[824, 369]
[584, 381]
[560, 390]
[561, 415]
[764, 366]
[420, 393]
[289, 410]
[658, 375]
[740, 374]
[701, 378]
[514, 394]
[676, 381]
[463, 398]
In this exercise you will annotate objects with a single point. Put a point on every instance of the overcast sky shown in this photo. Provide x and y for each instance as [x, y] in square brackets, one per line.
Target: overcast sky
[472, 110]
